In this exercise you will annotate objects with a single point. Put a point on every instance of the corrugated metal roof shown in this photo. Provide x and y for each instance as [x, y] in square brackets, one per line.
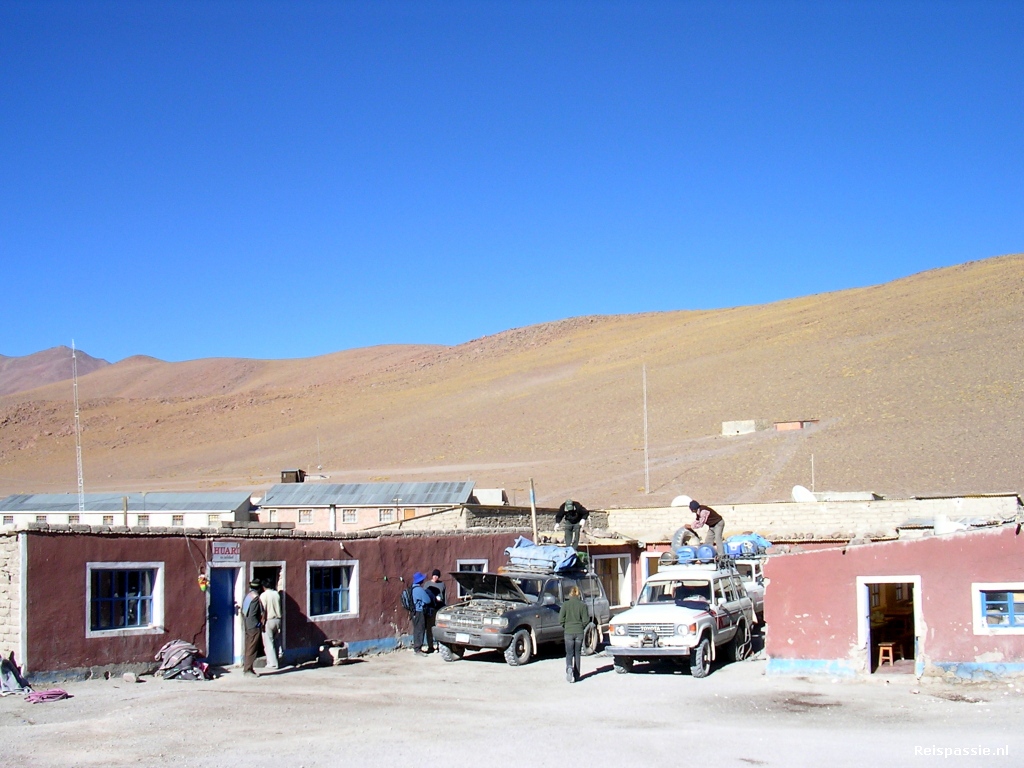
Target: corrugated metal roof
[198, 501]
[367, 494]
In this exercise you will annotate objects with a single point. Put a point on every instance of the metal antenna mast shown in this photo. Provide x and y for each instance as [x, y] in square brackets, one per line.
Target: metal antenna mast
[78, 431]
[647, 463]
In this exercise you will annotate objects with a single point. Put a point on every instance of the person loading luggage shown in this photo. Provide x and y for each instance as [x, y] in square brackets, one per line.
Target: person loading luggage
[714, 521]
[573, 513]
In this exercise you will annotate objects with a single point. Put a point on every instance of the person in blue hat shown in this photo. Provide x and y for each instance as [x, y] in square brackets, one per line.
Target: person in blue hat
[421, 601]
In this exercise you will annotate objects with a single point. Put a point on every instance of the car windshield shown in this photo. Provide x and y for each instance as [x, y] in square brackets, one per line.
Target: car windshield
[531, 587]
[678, 590]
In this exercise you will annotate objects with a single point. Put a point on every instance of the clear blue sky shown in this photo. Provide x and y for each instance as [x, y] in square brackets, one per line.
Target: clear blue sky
[197, 179]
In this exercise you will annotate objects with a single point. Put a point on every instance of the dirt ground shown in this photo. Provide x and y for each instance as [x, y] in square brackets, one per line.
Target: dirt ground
[397, 709]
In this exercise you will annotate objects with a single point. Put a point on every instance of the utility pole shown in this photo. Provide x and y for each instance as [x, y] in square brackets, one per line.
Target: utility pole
[647, 461]
[78, 432]
[533, 509]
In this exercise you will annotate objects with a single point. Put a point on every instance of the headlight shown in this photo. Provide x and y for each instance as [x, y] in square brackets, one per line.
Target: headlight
[497, 621]
[618, 629]
[686, 629]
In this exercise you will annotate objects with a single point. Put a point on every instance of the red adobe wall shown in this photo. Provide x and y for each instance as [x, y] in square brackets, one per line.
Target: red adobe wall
[55, 580]
[811, 601]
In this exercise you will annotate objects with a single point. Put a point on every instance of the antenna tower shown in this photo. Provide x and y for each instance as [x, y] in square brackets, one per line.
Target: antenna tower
[78, 431]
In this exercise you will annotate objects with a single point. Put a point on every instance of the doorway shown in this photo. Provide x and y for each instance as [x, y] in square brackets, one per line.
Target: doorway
[891, 625]
[221, 617]
[613, 571]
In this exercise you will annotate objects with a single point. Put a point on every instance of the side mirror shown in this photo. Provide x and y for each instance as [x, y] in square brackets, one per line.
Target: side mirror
[548, 600]
[720, 601]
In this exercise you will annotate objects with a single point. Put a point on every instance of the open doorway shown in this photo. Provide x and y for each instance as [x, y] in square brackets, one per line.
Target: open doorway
[891, 626]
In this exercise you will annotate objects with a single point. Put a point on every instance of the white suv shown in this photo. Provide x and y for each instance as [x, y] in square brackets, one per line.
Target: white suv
[686, 614]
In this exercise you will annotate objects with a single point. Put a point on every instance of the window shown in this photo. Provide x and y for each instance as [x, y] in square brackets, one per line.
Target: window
[474, 566]
[213, 521]
[40, 518]
[143, 520]
[590, 587]
[385, 515]
[124, 598]
[178, 520]
[349, 516]
[305, 515]
[73, 519]
[998, 608]
[8, 519]
[273, 515]
[333, 588]
[108, 519]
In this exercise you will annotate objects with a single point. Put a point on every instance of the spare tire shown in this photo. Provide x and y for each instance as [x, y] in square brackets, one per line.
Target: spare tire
[678, 536]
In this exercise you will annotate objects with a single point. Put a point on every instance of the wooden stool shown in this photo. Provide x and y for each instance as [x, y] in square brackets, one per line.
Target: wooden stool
[885, 653]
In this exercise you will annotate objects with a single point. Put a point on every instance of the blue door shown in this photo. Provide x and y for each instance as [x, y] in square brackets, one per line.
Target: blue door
[222, 616]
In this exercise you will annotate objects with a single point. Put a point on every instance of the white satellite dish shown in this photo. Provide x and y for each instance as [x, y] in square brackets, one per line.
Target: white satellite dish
[681, 501]
[802, 494]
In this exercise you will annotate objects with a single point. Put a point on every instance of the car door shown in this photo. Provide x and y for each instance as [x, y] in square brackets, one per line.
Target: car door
[727, 609]
[596, 600]
[548, 626]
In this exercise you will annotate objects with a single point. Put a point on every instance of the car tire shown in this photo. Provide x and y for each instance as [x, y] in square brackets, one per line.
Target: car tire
[741, 642]
[700, 659]
[591, 639]
[520, 649]
[623, 664]
[450, 652]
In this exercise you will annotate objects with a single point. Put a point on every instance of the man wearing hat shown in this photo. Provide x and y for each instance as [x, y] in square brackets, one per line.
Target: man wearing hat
[438, 599]
[252, 617]
[573, 514]
[421, 604]
[714, 521]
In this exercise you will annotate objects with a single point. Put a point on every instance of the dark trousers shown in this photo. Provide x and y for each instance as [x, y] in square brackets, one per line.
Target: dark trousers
[252, 646]
[428, 630]
[573, 651]
[419, 625]
[572, 534]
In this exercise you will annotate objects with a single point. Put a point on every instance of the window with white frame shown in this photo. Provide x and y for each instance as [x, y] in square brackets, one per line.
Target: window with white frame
[213, 521]
[108, 519]
[998, 608]
[333, 588]
[143, 520]
[124, 598]
[385, 515]
[305, 515]
[473, 566]
[74, 519]
[8, 519]
[349, 516]
[40, 518]
[178, 520]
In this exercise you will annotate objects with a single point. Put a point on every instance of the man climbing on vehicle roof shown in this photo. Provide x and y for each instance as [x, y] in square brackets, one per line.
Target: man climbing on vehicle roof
[714, 521]
[574, 516]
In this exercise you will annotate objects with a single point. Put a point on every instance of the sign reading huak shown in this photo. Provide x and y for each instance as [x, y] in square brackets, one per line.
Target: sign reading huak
[227, 551]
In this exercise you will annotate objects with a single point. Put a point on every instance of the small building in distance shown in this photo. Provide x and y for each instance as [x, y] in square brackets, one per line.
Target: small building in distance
[194, 509]
[356, 506]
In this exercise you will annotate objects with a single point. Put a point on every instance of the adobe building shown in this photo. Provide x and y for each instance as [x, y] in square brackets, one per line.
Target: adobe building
[76, 602]
[949, 604]
[192, 509]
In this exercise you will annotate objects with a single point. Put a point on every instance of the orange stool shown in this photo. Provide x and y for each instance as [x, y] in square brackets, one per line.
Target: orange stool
[886, 653]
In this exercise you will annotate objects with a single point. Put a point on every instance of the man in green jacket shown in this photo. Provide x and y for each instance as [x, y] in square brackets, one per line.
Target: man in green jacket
[574, 618]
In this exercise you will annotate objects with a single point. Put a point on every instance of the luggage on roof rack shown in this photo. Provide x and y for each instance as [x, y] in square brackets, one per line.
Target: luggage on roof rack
[549, 557]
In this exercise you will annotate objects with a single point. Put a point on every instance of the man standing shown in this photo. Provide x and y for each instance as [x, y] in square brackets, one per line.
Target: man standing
[573, 513]
[420, 605]
[271, 601]
[574, 617]
[438, 599]
[713, 520]
[252, 618]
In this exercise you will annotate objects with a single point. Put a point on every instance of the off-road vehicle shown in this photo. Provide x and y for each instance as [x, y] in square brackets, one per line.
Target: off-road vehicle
[516, 611]
[687, 614]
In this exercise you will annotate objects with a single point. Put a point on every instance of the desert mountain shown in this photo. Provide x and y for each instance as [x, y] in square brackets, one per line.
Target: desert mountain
[50, 365]
[917, 387]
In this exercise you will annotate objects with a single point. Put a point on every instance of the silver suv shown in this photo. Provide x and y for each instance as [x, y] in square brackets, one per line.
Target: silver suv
[516, 612]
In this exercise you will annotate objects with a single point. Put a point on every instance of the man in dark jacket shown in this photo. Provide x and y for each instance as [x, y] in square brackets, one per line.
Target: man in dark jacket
[572, 514]
[574, 618]
[713, 520]
[252, 617]
[438, 598]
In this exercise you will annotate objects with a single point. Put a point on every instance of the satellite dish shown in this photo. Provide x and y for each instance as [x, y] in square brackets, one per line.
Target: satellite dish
[681, 501]
[802, 494]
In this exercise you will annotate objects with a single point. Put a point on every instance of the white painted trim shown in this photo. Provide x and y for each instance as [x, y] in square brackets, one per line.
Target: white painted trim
[625, 580]
[981, 627]
[864, 608]
[353, 589]
[23, 603]
[156, 627]
[241, 587]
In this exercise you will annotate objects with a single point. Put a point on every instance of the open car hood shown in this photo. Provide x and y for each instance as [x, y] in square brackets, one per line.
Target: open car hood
[489, 586]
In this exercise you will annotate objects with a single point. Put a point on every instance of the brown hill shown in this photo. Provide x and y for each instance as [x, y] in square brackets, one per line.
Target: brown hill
[918, 386]
[22, 373]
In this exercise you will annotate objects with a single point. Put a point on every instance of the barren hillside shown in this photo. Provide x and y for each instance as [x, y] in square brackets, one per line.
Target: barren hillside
[917, 384]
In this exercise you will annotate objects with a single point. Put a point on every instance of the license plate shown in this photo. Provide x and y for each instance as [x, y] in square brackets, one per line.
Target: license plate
[461, 637]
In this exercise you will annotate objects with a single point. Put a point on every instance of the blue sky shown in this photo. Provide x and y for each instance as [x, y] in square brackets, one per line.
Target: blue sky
[269, 180]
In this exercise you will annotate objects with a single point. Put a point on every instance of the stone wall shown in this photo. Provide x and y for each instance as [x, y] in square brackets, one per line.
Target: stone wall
[823, 520]
[472, 516]
[10, 595]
